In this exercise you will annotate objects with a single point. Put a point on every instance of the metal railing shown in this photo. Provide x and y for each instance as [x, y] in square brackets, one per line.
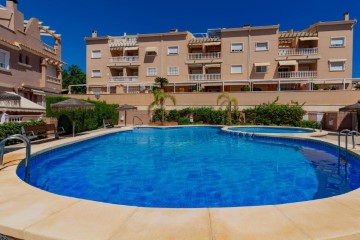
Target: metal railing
[297, 51]
[124, 79]
[204, 77]
[49, 48]
[136, 117]
[211, 55]
[28, 152]
[347, 133]
[299, 74]
[124, 59]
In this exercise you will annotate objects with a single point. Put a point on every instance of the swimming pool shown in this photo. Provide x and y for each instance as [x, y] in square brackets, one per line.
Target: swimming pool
[194, 167]
[277, 130]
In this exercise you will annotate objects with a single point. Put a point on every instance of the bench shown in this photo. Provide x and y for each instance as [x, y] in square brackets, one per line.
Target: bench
[108, 123]
[33, 132]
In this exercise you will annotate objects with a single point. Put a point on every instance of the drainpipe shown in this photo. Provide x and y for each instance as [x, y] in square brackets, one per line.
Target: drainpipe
[248, 60]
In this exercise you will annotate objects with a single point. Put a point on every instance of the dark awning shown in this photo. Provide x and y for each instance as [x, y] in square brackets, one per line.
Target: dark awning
[126, 107]
[351, 108]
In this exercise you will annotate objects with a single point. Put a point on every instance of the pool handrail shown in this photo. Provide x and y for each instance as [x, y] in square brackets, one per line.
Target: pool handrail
[142, 123]
[27, 142]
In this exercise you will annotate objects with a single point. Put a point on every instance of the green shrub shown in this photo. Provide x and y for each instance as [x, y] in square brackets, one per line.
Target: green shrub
[184, 121]
[11, 128]
[308, 124]
[275, 114]
[245, 89]
[84, 120]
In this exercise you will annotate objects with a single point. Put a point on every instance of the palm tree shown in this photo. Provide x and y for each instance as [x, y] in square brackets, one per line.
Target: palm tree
[159, 101]
[162, 81]
[229, 101]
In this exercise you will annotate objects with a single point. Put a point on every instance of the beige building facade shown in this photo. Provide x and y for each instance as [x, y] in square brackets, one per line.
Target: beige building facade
[28, 66]
[228, 59]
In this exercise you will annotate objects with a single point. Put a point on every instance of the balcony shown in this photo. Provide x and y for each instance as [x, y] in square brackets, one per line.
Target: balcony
[297, 51]
[124, 59]
[199, 56]
[21, 118]
[204, 77]
[299, 74]
[49, 48]
[53, 79]
[124, 79]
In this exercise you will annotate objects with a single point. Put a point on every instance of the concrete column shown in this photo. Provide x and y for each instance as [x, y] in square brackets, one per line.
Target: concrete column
[125, 72]
[43, 73]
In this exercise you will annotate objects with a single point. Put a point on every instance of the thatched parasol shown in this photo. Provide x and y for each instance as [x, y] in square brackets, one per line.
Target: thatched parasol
[355, 108]
[73, 105]
[9, 97]
[126, 107]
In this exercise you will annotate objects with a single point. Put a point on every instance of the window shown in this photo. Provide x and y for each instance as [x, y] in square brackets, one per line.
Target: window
[96, 54]
[96, 73]
[20, 58]
[337, 66]
[4, 59]
[151, 72]
[172, 71]
[337, 42]
[261, 69]
[173, 50]
[27, 60]
[237, 47]
[262, 46]
[236, 69]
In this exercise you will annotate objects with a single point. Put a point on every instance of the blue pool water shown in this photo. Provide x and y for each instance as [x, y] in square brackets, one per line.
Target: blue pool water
[193, 167]
[278, 130]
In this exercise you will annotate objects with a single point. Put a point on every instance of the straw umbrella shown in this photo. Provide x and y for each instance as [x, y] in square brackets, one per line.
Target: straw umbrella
[72, 105]
[355, 108]
[126, 107]
[8, 97]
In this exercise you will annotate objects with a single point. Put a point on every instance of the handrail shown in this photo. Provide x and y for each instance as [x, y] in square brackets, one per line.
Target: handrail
[142, 123]
[345, 131]
[27, 142]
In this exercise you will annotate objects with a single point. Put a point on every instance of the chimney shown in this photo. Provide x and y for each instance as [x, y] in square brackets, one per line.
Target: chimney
[11, 4]
[346, 16]
[174, 30]
[94, 34]
[246, 25]
[290, 31]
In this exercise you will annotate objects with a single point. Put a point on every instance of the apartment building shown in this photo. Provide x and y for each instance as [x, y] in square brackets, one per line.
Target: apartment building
[255, 58]
[28, 66]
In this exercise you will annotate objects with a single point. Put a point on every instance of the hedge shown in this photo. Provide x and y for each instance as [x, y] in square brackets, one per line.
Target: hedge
[275, 114]
[11, 128]
[84, 120]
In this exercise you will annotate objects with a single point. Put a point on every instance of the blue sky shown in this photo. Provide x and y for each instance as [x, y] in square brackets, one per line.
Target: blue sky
[76, 19]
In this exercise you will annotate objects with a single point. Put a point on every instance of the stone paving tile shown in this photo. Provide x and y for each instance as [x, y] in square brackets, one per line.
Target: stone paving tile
[253, 223]
[166, 224]
[323, 219]
[85, 220]
[25, 210]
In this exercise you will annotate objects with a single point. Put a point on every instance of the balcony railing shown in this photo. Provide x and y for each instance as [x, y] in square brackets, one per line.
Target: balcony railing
[124, 79]
[297, 51]
[53, 79]
[124, 59]
[49, 48]
[197, 56]
[299, 74]
[21, 118]
[204, 77]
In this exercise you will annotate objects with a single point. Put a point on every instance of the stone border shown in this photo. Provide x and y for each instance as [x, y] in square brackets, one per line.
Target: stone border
[30, 213]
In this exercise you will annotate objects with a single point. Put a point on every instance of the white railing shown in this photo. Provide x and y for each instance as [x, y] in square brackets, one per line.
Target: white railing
[204, 77]
[124, 41]
[53, 79]
[297, 51]
[49, 48]
[299, 74]
[196, 56]
[19, 118]
[124, 59]
[124, 79]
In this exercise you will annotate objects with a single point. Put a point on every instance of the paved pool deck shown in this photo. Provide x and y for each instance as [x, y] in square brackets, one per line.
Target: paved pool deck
[30, 213]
